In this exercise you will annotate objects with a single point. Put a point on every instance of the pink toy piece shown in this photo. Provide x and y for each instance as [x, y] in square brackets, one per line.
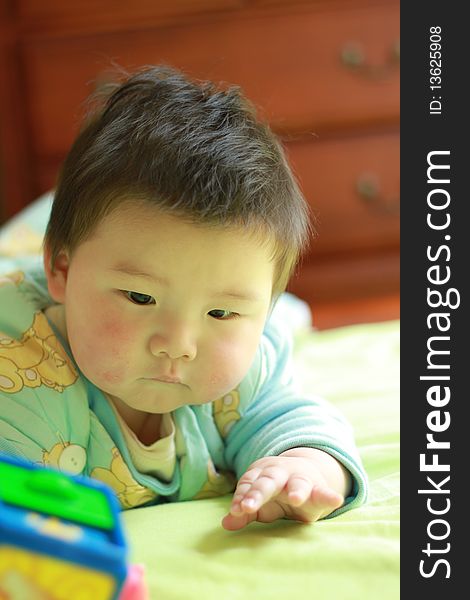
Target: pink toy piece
[134, 587]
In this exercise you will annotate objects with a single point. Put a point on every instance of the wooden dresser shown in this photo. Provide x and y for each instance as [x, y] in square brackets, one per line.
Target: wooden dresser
[324, 73]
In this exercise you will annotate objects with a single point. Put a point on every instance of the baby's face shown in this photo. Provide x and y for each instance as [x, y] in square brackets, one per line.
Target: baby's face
[149, 296]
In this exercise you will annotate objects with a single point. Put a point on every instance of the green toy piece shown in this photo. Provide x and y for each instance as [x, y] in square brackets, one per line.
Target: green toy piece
[53, 493]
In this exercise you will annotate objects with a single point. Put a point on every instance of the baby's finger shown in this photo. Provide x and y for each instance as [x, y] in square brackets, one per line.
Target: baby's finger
[298, 490]
[326, 497]
[321, 502]
[243, 486]
[232, 522]
[269, 483]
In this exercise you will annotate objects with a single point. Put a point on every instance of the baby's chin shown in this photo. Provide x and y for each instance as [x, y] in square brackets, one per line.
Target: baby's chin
[161, 402]
[159, 398]
[154, 408]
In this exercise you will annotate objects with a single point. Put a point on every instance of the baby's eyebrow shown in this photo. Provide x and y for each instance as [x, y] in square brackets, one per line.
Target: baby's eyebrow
[133, 272]
[247, 296]
[243, 296]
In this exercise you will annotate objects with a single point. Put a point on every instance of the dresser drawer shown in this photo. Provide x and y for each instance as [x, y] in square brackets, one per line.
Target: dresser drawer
[59, 17]
[348, 277]
[352, 186]
[289, 63]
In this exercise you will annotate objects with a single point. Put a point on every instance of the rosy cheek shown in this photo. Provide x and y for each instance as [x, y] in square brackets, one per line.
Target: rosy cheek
[116, 341]
[225, 369]
[112, 328]
[217, 378]
[116, 336]
[113, 377]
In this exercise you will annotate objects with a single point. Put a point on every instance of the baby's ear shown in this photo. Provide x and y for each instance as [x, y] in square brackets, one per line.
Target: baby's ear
[56, 274]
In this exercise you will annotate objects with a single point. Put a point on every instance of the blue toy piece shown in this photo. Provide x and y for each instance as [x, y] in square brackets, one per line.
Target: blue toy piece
[60, 536]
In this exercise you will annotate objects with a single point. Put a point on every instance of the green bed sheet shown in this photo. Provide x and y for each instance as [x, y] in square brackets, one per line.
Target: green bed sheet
[188, 555]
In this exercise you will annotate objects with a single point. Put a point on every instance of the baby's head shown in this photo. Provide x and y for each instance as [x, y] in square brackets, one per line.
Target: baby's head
[173, 203]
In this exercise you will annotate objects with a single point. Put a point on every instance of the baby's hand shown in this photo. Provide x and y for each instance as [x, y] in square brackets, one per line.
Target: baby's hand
[283, 486]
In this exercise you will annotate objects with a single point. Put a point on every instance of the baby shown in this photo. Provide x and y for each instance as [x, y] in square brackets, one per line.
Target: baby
[147, 353]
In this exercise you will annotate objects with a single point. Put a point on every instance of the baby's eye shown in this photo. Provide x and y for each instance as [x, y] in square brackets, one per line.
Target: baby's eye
[141, 299]
[223, 315]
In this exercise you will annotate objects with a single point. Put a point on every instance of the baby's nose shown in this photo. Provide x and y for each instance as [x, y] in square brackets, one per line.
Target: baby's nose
[177, 343]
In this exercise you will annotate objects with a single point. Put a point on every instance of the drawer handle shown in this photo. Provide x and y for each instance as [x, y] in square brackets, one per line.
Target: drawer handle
[368, 188]
[353, 57]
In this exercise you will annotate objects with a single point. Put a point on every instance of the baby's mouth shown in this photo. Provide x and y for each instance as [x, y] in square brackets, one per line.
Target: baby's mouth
[166, 380]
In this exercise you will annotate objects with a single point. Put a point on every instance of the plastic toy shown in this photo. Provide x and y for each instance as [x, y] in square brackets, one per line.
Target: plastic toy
[61, 538]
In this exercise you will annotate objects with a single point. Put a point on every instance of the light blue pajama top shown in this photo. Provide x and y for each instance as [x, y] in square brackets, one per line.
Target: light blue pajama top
[51, 414]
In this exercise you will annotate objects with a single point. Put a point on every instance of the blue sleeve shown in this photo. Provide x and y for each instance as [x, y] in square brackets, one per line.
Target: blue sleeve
[279, 416]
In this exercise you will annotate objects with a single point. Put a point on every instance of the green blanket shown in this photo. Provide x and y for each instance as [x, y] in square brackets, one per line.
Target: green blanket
[188, 555]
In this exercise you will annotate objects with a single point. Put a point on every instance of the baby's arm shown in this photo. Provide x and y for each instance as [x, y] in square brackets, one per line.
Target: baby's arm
[305, 484]
[294, 454]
